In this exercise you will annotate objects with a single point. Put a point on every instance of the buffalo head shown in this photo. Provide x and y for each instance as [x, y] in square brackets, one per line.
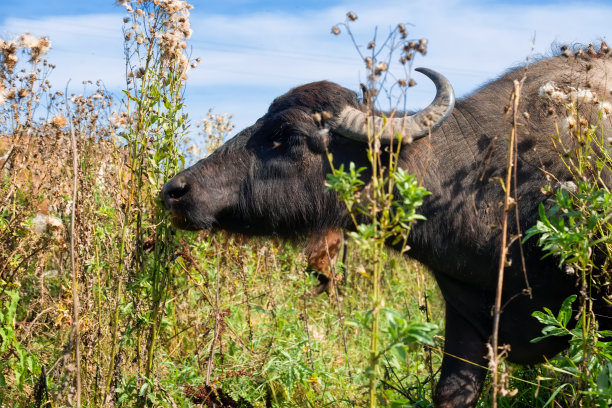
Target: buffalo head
[269, 178]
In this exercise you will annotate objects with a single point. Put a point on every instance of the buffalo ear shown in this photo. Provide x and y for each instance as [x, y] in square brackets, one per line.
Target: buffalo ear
[318, 140]
[319, 137]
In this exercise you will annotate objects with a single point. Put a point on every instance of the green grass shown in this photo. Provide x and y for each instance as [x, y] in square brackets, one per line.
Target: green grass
[167, 314]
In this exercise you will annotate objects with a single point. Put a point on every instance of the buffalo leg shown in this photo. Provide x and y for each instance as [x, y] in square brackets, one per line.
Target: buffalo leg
[462, 373]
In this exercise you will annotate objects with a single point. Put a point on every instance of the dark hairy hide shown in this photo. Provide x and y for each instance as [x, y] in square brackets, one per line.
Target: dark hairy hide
[270, 180]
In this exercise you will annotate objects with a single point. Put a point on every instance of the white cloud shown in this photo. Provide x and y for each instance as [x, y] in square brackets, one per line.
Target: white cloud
[469, 42]
[87, 47]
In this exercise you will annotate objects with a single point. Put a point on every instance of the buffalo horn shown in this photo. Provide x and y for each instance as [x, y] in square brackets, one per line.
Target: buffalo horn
[353, 123]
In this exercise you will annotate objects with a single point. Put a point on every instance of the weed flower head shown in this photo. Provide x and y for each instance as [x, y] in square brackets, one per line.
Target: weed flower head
[3, 94]
[58, 121]
[177, 30]
[42, 222]
[28, 41]
[169, 31]
[37, 46]
[606, 108]
[9, 53]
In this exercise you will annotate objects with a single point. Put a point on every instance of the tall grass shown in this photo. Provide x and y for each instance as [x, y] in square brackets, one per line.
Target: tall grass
[389, 203]
[166, 318]
[177, 319]
[576, 230]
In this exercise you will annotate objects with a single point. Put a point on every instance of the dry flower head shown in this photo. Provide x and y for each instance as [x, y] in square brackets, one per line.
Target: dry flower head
[170, 32]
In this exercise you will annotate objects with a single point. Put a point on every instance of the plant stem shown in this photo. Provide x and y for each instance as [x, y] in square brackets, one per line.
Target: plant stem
[75, 280]
[504, 246]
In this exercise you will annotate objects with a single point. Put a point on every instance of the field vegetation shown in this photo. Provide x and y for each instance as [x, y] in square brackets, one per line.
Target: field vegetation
[104, 303]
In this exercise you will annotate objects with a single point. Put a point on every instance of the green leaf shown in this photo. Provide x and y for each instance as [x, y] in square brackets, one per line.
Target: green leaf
[565, 313]
[545, 318]
[554, 394]
[143, 389]
[399, 351]
[262, 310]
[604, 379]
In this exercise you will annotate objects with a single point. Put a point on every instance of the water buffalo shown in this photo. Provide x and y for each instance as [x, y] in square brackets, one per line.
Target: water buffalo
[269, 180]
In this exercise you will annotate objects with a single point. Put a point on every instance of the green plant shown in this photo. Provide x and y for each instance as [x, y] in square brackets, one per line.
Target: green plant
[388, 200]
[155, 126]
[588, 360]
[166, 316]
[576, 230]
[15, 361]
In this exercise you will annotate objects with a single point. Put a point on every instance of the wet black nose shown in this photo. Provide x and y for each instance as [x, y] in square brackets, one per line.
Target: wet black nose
[174, 190]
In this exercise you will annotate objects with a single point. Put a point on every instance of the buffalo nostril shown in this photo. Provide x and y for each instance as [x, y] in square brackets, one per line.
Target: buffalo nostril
[174, 190]
[178, 191]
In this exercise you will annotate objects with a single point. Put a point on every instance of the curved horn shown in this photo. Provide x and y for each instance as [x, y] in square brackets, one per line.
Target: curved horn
[353, 123]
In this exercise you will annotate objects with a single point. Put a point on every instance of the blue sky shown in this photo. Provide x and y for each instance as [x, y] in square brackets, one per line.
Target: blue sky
[253, 51]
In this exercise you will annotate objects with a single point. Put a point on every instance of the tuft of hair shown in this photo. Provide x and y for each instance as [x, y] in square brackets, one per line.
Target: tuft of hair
[595, 49]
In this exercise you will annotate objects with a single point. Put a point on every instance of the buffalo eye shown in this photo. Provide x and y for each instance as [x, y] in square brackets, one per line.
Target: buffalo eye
[317, 142]
[277, 139]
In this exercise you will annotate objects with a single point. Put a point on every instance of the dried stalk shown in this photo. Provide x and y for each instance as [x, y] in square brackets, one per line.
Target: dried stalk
[509, 202]
[217, 328]
[332, 269]
[73, 266]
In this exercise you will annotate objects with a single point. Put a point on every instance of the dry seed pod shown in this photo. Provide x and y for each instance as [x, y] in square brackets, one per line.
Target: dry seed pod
[402, 30]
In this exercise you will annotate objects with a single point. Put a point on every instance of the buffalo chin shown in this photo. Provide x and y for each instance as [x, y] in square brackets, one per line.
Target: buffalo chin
[183, 222]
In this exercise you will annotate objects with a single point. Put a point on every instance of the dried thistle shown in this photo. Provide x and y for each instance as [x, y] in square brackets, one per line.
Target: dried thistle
[59, 121]
[402, 30]
[380, 68]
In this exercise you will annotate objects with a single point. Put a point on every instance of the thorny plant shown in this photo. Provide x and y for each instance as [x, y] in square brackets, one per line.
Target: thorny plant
[213, 130]
[575, 228]
[378, 57]
[208, 312]
[389, 200]
[497, 352]
[20, 89]
[155, 35]
[35, 209]
[132, 320]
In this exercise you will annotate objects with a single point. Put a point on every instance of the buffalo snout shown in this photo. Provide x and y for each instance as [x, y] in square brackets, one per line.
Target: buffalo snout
[175, 190]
